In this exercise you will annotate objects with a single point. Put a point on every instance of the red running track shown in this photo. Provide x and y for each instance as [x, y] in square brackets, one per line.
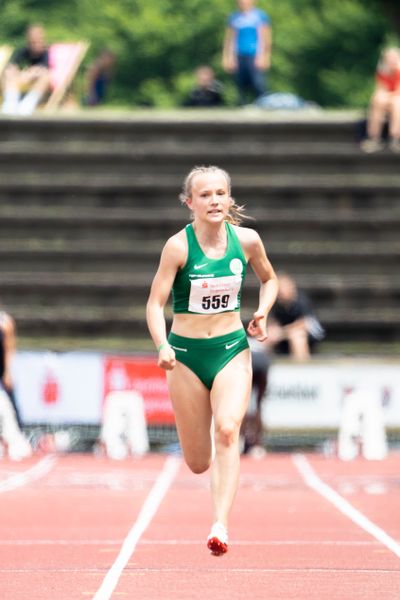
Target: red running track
[63, 524]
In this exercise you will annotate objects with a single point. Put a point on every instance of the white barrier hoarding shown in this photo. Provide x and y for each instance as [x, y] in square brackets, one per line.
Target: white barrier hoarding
[70, 388]
[59, 388]
[311, 395]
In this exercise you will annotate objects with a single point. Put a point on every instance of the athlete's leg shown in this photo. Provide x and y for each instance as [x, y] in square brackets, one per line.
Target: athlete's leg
[229, 398]
[191, 401]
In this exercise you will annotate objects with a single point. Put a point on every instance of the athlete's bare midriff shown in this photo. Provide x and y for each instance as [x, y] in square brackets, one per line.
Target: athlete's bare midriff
[205, 326]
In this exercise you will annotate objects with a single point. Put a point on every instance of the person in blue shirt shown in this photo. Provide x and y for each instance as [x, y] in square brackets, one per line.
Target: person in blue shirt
[247, 48]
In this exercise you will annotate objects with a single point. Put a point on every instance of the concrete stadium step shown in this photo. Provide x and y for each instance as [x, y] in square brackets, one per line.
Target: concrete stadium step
[273, 226]
[105, 289]
[126, 325]
[298, 197]
[72, 216]
[171, 129]
[113, 180]
[321, 160]
[60, 255]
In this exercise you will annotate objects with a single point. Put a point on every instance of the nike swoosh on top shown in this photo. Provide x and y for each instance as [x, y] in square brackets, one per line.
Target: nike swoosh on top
[229, 346]
[200, 266]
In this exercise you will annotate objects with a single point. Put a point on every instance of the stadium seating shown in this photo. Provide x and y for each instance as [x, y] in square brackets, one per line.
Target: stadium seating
[64, 61]
[5, 53]
[86, 205]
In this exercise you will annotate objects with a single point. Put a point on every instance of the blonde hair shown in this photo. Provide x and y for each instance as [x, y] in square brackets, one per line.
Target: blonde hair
[235, 214]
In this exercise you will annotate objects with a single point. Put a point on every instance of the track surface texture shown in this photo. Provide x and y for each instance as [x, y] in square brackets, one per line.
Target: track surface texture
[303, 527]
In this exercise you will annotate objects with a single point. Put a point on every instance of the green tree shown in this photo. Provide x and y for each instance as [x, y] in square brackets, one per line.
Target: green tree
[322, 51]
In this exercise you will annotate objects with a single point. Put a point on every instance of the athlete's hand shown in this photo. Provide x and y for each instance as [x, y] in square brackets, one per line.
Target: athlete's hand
[258, 327]
[166, 358]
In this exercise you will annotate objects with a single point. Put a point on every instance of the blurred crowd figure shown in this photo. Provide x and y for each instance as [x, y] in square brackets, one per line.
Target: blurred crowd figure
[294, 328]
[98, 77]
[207, 92]
[10, 420]
[385, 104]
[247, 49]
[252, 429]
[26, 78]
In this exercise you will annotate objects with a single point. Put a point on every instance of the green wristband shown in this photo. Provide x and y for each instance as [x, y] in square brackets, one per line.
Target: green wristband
[161, 346]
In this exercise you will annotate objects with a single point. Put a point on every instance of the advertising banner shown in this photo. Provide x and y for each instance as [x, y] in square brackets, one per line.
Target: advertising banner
[144, 376]
[311, 395]
[58, 388]
[71, 388]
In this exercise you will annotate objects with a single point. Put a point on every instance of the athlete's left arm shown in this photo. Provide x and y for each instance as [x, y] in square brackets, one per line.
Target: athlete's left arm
[257, 257]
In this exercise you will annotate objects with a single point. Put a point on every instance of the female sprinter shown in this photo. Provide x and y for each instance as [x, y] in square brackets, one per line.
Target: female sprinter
[206, 355]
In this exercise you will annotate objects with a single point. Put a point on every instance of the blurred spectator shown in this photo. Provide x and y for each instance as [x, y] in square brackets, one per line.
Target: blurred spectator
[98, 77]
[7, 351]
[252, 428]
[207, 91]
[294, 329]
[18, 446]
[385, 103]
[247, 48]
[27, 75]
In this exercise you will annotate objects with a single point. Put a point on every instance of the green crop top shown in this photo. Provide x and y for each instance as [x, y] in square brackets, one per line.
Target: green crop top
[210, 285]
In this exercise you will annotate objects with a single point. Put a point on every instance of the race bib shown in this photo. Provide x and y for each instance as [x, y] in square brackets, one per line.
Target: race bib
[214, 295]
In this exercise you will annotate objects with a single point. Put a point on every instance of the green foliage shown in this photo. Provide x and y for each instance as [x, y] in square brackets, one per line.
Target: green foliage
[322, 50]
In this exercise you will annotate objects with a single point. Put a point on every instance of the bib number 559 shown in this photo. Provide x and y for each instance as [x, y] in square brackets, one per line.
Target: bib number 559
[215, 302]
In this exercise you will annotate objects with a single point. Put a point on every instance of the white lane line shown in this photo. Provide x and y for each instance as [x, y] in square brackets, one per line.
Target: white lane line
[323, 489]
[39, 470]
[264, 543]
[149, 509]
[135, 570]
[188, 542]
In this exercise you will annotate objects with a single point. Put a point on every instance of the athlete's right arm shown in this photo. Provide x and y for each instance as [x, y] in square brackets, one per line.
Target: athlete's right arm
[172, 258]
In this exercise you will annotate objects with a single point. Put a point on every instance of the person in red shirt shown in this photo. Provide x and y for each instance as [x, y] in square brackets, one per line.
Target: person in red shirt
[385, 103]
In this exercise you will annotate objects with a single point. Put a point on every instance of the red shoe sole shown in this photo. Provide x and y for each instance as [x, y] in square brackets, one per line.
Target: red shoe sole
[217, 547]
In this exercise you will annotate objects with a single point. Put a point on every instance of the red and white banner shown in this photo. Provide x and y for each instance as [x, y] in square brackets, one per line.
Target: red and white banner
[58, 388]
[71, 387]
[144, 376]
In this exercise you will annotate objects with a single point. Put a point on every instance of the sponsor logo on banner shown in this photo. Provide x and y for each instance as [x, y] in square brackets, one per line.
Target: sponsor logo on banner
[50, 390]
[50, 381]
[59, 388]
[144, 376]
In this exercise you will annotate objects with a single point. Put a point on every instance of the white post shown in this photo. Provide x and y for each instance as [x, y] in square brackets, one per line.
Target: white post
[362, 422]
[124, 427]
[17, 445]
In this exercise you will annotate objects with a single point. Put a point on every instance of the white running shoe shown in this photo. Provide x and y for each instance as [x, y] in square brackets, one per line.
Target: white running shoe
[217, 541]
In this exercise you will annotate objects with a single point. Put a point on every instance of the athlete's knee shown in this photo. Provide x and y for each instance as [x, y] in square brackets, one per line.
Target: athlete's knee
[198, 464]
[227, 432]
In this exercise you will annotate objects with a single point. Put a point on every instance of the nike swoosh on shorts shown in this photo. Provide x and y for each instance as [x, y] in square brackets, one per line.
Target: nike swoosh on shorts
[229, 346]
